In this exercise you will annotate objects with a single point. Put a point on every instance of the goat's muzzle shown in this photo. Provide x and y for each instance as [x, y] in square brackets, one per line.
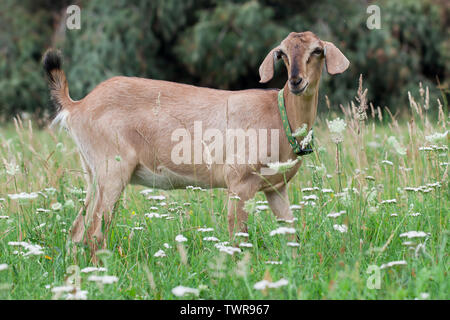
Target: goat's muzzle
[297, 85]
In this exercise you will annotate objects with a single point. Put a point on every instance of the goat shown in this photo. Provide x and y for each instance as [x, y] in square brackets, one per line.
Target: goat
[124, 132]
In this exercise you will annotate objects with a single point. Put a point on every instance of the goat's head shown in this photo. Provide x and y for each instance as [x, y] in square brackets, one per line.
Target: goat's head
[304, 54]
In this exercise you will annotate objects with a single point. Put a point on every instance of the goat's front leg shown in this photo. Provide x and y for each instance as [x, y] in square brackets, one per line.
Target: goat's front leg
[239, 192]
[279, 203]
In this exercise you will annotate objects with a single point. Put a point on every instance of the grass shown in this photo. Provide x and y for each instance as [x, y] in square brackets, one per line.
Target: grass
[327, 264]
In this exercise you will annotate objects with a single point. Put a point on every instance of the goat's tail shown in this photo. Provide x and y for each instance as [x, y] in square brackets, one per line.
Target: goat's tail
[59, 88]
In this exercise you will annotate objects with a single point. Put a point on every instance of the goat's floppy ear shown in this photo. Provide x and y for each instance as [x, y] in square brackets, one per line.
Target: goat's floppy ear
[335, 60]
[266, 68]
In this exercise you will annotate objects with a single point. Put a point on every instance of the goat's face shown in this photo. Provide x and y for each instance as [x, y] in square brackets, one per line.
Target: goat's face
[304, 55]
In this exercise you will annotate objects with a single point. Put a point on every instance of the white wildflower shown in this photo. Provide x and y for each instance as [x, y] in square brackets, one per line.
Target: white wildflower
[229, 250]
[393, 263]
[437, 137]
[261, 285]
[3, 266]
[424, 296]
[242, 234]
[293, 244]
[50, 190]
[389, 201]
[23, 195]
[33, 249]
[301, 131]
[160, 254]
[274, 262]
[222, 246]
[290, 221]
[414, 234]
[336, 127]
[159, 198]
[311, 197]
[282, 230]
[77, 295]
[146, 191]
[282, 167]
[180, 238]
[62, 289]
[336, 214]
[153, 215]
[205, 229]
[103, 279]
[93, 269]
[304, 143]
[212, 239]
[340, 227]
[11, 168]
[245, 245]
[40, 226]
[180, 291]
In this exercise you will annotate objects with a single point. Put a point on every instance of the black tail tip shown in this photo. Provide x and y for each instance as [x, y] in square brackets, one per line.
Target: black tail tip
[52, 60]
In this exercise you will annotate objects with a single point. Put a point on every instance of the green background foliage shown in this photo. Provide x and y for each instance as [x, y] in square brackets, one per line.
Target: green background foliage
[219, 44]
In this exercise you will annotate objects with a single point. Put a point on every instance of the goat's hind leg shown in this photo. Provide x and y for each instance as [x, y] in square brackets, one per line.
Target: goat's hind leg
[79, 225]
[110, 181]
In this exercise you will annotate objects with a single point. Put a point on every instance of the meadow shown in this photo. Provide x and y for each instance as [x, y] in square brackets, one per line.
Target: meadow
[371, 209]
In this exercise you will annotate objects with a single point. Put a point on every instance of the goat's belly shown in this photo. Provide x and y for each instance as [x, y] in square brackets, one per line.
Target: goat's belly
[164, 179]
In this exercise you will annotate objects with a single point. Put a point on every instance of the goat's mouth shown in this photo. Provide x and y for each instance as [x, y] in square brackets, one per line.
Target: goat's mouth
[297, 90]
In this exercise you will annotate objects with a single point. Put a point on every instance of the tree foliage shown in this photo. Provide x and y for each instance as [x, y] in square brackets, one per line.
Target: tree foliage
[218, 44]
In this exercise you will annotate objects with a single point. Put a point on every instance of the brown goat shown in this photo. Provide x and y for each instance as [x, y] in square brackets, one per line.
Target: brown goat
[124, 130]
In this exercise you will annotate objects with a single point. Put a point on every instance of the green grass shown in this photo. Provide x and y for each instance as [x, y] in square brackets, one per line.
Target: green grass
[328, 264]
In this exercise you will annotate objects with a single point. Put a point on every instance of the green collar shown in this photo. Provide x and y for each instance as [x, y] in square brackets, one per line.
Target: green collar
[287, 129]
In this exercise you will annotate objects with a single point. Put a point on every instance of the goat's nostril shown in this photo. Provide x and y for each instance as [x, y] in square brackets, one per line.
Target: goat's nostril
[296, 81]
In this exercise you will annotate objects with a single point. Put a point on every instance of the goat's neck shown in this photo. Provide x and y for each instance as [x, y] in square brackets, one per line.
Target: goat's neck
[301, 109]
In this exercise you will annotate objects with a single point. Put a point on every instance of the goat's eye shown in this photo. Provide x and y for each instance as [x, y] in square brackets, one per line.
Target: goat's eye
[279, 54]
[318, 51]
